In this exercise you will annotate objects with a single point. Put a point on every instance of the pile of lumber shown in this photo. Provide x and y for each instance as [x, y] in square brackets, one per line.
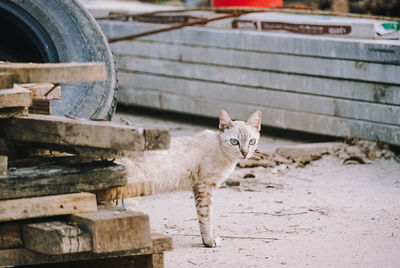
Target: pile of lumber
[319, 84]
[49, 211]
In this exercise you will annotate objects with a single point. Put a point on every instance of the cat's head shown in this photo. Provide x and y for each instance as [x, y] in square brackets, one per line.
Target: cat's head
[239, 139]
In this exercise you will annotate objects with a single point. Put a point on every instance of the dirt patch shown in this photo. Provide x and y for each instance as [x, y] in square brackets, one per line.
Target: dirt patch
[324, 215]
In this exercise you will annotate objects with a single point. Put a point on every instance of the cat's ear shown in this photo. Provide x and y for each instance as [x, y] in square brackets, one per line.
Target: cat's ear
[225, 121]
[255, 120]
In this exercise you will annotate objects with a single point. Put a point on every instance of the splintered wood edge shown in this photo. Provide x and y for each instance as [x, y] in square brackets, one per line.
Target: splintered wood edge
[56, 72]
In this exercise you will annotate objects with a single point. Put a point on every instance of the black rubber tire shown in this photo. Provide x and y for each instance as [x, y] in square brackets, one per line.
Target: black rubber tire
[70, 34]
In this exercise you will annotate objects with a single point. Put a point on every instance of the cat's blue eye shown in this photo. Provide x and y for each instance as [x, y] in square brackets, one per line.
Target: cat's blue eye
[234, 142]
[252, 141]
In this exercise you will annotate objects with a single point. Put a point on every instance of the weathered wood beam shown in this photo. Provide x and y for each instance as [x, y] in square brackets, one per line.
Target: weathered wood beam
[86, 137]
[55, 237]
[15, 97]
[114, 230]
[22, 256]
[6, 80]
[56, 72]
[46, 206]
[42, 180]
[118, 261]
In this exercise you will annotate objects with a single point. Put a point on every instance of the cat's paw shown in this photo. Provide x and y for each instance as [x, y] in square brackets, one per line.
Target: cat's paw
[212, 242]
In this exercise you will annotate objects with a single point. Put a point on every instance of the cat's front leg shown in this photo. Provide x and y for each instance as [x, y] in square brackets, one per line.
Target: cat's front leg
[203, 195]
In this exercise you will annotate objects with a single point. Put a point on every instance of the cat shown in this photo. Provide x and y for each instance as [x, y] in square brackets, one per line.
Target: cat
[200, 163]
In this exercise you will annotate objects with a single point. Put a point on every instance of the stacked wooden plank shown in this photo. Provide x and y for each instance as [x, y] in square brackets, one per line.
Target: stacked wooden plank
[36, 90]
[48, 205]
[42, 95]
[319, 84]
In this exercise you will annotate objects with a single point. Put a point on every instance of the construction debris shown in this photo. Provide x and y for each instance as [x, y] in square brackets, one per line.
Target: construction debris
[363, 151]
[352, 151]
[47, 214]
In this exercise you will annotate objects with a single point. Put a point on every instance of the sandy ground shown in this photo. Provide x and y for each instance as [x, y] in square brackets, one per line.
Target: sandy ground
[325, 215]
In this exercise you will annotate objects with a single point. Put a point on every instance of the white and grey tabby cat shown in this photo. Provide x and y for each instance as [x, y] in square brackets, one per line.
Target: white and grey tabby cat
[200, 163]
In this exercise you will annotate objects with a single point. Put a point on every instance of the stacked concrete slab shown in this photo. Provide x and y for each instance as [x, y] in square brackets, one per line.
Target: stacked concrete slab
[318, 84]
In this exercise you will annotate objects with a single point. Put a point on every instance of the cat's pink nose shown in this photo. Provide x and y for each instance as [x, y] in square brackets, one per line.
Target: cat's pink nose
[244, 153]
